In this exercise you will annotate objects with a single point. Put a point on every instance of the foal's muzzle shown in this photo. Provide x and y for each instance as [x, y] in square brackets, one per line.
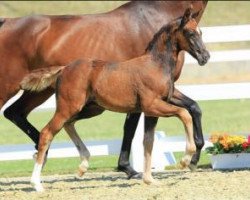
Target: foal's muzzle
[203, 57]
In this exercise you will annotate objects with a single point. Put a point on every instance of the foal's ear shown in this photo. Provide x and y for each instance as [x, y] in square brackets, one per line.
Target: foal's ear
[186, 17]
[194, 15]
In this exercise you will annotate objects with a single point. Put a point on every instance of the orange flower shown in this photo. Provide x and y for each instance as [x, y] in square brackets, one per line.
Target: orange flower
[214, 138]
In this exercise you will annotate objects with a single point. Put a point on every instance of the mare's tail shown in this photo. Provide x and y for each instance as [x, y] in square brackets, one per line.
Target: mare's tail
[41, 79]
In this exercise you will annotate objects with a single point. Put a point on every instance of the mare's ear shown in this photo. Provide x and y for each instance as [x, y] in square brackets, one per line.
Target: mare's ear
[186, 17]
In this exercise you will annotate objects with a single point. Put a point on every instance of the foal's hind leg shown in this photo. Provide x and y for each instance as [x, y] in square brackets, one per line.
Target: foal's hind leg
[162, 109]
[67, 107]
[82, 149]
[46, 136]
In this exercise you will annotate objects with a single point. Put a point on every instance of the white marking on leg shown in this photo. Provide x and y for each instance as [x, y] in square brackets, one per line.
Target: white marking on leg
[36, 178]
[83, 167]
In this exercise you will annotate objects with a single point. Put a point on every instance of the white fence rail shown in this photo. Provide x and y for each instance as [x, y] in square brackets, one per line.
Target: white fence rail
[197, 92]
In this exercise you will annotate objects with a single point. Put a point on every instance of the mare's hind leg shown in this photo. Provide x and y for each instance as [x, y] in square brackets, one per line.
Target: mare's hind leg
[162, 109]
[181, 100]
[82, 149]
[19, 110]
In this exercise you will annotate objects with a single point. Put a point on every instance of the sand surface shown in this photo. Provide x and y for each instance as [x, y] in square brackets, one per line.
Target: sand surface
[173, 185]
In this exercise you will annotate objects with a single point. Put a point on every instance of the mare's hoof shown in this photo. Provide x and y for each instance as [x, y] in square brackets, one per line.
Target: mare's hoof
[192, 167]
[135, 175]
[131, 173]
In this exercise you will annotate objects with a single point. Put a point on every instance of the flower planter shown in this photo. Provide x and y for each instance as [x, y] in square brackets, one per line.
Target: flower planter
[231, 161]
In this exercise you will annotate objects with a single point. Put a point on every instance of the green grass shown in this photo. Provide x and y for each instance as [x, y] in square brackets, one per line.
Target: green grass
[56, 166]
[70, 165]
[228, 115]
[222, 115]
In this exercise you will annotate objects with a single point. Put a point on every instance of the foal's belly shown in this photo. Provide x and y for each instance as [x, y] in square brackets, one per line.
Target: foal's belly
[115, 92]
[116, 100]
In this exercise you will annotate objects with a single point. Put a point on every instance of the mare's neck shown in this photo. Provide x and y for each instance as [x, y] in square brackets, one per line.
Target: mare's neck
[149, 16]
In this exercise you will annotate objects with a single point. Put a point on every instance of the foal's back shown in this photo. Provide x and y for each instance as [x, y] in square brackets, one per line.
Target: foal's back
[118, 86]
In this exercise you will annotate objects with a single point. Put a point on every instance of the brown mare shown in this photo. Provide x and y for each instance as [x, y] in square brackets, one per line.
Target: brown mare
[34, 42]
[143, 84]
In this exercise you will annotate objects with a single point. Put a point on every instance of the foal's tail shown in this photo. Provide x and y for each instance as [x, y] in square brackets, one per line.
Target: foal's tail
[41, 79]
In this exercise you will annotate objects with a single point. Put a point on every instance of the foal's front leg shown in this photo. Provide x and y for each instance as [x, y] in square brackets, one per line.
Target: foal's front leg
[148, 141]
[182, 100]
[162, 109]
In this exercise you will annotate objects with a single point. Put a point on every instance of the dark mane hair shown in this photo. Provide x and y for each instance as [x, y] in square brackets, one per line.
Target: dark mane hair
[166, 28]
[2, 22]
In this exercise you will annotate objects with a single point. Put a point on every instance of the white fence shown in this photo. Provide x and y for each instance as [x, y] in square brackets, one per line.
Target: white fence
[197, 92]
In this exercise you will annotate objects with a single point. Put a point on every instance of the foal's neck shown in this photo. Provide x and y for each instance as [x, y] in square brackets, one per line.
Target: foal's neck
[165, 52]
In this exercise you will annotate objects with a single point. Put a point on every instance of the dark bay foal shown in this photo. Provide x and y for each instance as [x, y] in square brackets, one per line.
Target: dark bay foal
[144, 84]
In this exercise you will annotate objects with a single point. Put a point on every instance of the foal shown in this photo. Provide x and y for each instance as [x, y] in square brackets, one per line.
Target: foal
[144, 84]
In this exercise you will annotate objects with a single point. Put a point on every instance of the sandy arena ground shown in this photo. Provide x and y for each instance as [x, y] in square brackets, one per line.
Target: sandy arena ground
[174, 185]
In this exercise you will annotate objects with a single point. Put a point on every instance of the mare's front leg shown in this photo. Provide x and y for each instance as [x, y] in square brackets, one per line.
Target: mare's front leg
[129, 132]
[129, 128]
[181, 100]
[162, 109]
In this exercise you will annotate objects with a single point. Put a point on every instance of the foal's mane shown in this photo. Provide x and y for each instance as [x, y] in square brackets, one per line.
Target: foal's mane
[168, 29]
[2, 22]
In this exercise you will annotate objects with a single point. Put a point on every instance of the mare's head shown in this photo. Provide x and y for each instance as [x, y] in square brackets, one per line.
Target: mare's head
[180, 34]
[189, 38]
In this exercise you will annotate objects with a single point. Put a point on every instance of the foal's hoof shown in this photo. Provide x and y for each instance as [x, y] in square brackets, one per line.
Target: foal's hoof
[185, 161]
[151, 181]
[192, 167]
[83, 168]
[37, 186]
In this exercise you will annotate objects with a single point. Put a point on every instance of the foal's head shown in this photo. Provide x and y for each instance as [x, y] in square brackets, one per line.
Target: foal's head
[180, 34]
[189, 38]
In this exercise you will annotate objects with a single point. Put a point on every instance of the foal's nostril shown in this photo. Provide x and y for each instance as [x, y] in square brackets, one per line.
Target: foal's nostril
[207, 56]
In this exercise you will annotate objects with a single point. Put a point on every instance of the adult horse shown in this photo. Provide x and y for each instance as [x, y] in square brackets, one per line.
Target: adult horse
[33, 42]
[142, 84]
